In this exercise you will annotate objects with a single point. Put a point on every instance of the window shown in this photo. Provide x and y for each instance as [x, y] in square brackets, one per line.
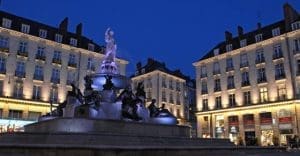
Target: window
[163, 96]
[217, 85]
[245, 79]
[230, 82]
[4, 42]
[34, 115]
[298, 67]
[36, 93]
[38, 73]
[72, 60]
[171, 98]
[42, 33]
[296, 45]
[204, 104]
[164, 84]
[203, 87]
[149, 82]
[6, 23]
[20, 70]
[90, 64]
[23, 47]
[243, 43]
[178, 99]
[178, 86]
[216, 52]
[18, 90]
[73, 42]
[228, 47]
[281, 92]
[2, 65]
[229, 64]
[277, 53]
[149, 95]
[276, 32]
[203, 71]
[218, 102]
[232, 102]
[258, 38]
[1, 91]
[247, 97]
[279, 71]
[40, 54]
[15, 114]
[170, 84]
[58, 38]
[263, 94]
[57, 57]
[91, 47]
[71, 78]
[25, 28]
[55, 77]
[244, 60]
[261, 75]
[296, 25]
[216, 69]
[260, 58]
[54, 95]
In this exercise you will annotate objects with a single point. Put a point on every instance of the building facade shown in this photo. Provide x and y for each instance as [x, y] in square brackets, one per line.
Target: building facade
[166, 86]
[248, 86]
[38, 64]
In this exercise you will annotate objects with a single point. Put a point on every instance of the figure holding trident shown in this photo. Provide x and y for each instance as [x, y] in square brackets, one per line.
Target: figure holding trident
[111, 46]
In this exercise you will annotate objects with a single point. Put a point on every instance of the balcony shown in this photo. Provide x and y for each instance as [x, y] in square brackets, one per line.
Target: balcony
[38, 77]
[205, 108]
[245, 64]
[277, 56]
[230, 86]
[245, 83]
[20, 74]
[261, 80]
[231, 68]
[204, 91]
[22, 53]
[218, 106]
[40, 57]
[4, 49]
[55, 80]
[72, 64]
[56, 61]
[279, 76]
[215, 72]
[232, 104]
[217, 89]
[260, 60]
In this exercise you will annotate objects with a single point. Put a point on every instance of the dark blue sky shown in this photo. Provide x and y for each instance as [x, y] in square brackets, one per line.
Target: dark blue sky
[177, 32]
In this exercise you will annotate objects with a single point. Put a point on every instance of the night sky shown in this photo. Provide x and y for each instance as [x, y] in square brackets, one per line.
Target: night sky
[177, 32]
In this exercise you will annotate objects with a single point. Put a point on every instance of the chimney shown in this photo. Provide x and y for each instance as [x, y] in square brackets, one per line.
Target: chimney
[290, 15]
[258, 25]
[138, 66]
[228, 35]
[79, 29]
[240, 31]
[150, 60]
[63, 26]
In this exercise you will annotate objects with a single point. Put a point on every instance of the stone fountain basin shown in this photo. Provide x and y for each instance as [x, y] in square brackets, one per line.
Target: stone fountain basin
[119, 81]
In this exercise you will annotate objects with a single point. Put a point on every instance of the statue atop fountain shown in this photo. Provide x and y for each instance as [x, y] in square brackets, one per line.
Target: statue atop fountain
[108, 65]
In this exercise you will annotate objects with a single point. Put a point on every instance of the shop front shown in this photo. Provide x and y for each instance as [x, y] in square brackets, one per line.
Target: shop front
[219, 130]
[285, 126]
[233, 127]
[249, 128]
[205, 128]
[266, 129]
[11, 125]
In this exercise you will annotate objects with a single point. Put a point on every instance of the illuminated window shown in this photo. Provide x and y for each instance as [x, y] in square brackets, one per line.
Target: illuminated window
[281, 92]
[42, 33]
[15, 114]
[18, 90]
[36, 93]
[232, 102]
[247, 97]
[204, 104]
[263, 94]
[218, 102]
[34, 115]
[25, 28]
[58, 38]
[6, 23]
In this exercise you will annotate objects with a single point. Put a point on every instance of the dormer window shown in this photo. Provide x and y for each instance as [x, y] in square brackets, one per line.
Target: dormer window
[6, 23]
[228, 47]
[216, 52]
[58, 38]
[73, 42]
[25, 28]
[258, 38]
[43, 33]
[243, 43]
[91, 47]
[276, 32]
[296, 25]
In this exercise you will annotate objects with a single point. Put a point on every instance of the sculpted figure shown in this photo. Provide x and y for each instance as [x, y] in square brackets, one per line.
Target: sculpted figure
[111, 47]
